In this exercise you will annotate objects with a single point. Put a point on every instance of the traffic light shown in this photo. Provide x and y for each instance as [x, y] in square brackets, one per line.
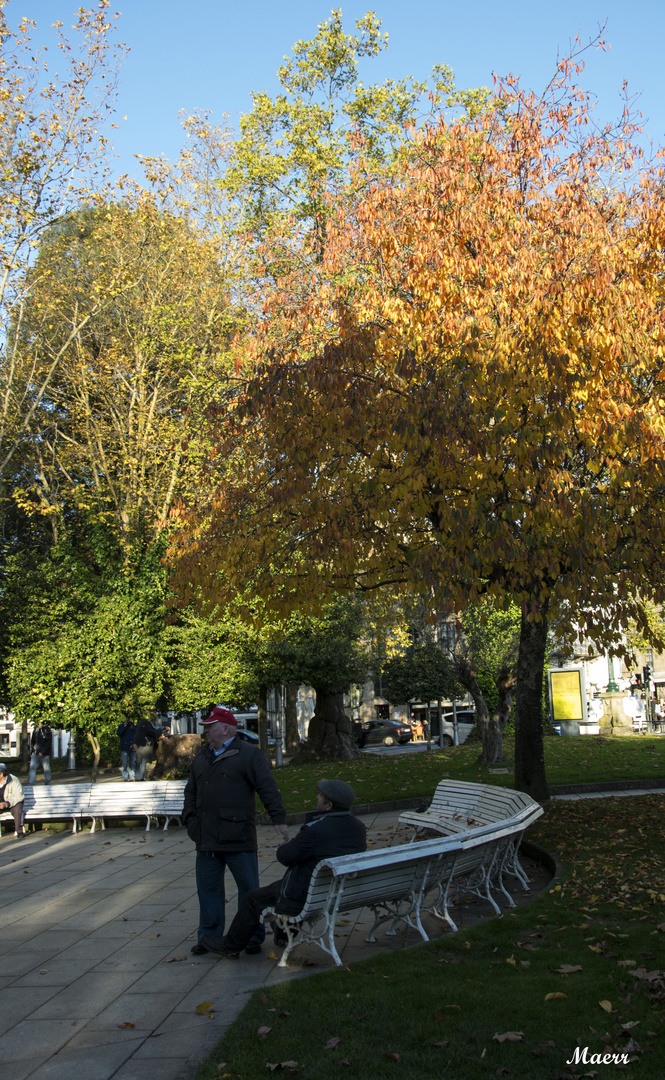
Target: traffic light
[638, 679]
[646, 674]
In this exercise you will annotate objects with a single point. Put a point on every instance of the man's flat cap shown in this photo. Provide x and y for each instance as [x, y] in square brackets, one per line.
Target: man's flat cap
[337, 792]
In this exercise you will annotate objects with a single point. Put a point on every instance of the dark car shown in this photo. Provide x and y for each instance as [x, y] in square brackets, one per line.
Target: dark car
[247, 736]
[388, 732]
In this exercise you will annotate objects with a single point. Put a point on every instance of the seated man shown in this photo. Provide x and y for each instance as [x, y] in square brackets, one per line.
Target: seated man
[330, 831]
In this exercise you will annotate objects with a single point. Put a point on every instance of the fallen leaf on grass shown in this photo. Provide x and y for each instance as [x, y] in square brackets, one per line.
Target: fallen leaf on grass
[512, 960]
[626, 963]
[264, 1031]
[606, 1005]
[509, 1036]
[343, 1061]
[388, 1054]
[222, 1065]
[555, 997]
[568, 969]
[332, 1043]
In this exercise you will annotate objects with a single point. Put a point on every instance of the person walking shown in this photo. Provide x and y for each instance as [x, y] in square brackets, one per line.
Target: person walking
[11, 798]
[41, 748]
[329, 831]
[219, 814]
[126, 733]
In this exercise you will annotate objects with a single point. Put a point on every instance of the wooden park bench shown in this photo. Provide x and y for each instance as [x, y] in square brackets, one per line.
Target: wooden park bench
[151, 799]
[390, 881]
[55, 802]
[459, 805]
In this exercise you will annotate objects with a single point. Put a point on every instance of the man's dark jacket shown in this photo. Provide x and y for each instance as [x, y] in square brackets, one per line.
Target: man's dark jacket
[331, 833]
[219, 807]
[146, 733]
[127, 733]
[41, 741]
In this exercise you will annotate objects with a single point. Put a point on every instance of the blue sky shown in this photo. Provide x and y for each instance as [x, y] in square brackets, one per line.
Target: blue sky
[211, 54]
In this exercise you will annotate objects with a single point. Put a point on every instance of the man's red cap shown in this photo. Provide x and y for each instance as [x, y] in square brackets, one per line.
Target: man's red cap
[221, 716]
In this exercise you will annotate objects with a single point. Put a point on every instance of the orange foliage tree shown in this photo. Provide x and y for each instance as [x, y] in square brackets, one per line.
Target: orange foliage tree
[465, 396]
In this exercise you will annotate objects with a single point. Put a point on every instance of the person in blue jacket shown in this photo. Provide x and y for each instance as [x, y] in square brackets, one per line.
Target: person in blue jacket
[126, 732]
[331, 830]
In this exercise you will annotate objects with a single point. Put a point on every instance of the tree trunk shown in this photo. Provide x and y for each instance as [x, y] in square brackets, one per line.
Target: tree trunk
[94, 742]
[263, 723]
[491, 732]
[25, 744]
[291, 734]
[529, 749]
[329, 733]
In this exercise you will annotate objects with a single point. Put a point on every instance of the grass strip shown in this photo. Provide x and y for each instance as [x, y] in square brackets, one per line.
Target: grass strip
[514, 996]
[392, 775]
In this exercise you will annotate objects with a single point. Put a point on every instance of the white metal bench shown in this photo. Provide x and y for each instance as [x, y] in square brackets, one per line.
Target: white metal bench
[53, 802]
[152, 799]
[390, 881]
[458, 806]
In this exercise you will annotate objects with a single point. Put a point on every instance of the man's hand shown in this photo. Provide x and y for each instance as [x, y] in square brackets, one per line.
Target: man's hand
[283, 831]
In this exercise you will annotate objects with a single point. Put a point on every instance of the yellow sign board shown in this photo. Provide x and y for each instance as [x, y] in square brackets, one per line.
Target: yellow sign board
[566, 687]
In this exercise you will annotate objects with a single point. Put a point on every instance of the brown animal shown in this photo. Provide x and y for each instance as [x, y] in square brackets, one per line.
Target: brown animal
[175, 753]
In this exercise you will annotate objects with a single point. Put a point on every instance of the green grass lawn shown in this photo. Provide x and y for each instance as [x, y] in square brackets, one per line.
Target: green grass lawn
[512, 996]
[379, 777]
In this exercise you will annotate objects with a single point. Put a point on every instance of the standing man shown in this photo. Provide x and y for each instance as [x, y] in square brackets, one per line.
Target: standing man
[11, 798]
[41, 748]
[220, 817]
[126, 732]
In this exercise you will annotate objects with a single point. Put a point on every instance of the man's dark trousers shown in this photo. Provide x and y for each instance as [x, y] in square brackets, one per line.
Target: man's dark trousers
[247, 922]
[210, 866]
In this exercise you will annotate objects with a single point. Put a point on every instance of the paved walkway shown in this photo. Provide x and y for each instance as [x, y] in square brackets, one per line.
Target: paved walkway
[96, 976]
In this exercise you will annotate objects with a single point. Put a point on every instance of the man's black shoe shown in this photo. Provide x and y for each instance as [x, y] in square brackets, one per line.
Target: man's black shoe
[216, 945]
[198, 949]
[280, 936]
[253, 948]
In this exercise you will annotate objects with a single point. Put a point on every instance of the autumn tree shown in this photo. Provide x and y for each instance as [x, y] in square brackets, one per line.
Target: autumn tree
[466, 397]
[53, 150]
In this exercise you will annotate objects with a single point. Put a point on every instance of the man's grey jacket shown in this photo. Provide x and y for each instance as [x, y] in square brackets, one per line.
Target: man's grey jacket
[219, 807]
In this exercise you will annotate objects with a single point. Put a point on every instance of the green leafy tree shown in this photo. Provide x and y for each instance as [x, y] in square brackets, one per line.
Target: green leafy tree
[295, 148]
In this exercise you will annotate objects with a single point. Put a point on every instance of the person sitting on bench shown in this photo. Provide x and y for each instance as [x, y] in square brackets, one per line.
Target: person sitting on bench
[329, 831]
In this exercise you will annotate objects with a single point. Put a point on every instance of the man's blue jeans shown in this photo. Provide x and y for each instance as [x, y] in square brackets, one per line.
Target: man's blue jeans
[127, 759]
[210, 867]
[45, 762]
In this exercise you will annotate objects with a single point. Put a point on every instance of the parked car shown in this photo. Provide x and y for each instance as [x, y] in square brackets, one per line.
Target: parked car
[466, 718]
[388, 732]
[247, 736]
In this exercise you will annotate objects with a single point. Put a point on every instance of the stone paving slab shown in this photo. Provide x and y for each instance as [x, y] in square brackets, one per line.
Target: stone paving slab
[99, 920]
